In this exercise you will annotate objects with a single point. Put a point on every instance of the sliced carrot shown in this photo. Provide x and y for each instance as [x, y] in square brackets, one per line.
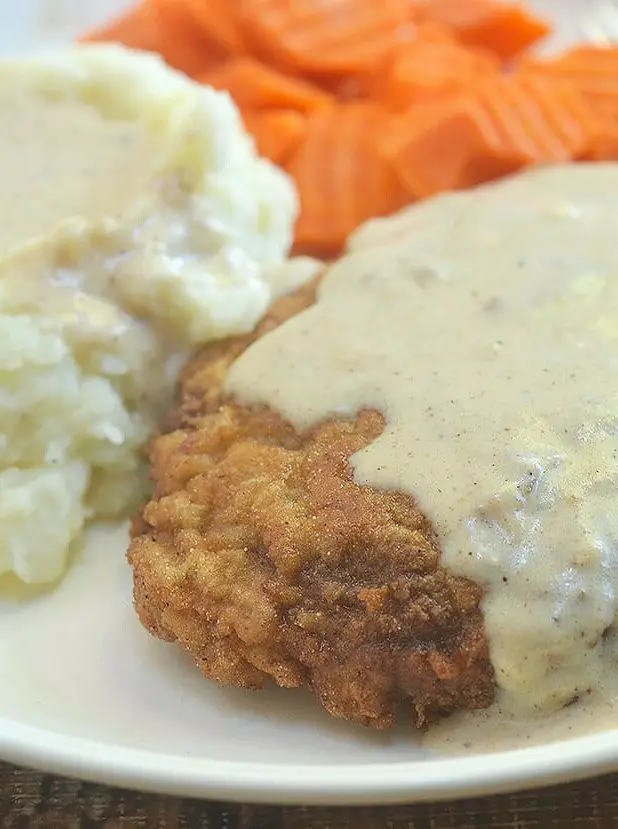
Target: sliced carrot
[185, 47]
[277, 132]
[324, 35]
[155, 26]
[253, 85]
[218, 20]
[432, 31]
[584, 61]
[593, 71]
[346, 88]
[372, 84]
[502, 125]
[448, 145]
[543, 120]
[604, 144]
[137, 26]
[505, 29]
[341, 177]
[422, 71]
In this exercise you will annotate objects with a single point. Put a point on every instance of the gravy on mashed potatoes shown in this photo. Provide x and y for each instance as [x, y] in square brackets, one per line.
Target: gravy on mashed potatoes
[136, 223]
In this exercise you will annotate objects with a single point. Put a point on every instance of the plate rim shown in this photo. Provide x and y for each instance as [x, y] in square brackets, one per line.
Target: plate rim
[317, 784]
[311, 784]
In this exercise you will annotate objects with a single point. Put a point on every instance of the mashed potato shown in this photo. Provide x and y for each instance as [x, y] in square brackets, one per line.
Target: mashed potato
[137, 223]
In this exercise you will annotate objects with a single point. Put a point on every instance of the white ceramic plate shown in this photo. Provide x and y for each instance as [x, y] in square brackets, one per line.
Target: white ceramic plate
[86, 692]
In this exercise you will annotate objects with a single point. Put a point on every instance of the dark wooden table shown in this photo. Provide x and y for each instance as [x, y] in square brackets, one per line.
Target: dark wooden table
[30, 799]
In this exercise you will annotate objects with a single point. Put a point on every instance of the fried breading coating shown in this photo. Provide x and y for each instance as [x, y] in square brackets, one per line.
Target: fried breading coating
[261, 556]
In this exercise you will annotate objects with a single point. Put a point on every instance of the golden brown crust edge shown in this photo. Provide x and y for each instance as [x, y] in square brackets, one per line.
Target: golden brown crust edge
[261, 557]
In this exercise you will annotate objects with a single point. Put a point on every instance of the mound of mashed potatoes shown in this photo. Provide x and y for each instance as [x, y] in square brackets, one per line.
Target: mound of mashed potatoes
[137, 223]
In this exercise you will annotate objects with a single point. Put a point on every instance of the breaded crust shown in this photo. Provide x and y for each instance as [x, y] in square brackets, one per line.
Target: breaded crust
[261, 556]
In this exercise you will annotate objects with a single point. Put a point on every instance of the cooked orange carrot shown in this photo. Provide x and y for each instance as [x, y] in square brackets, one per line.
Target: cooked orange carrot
[412, 39]
[322, 35]
[448, 145]
[253, 85]
[584, 61]
[432, 31]
[346, 88]
[603, 145]
[341, 177]
[155, 26]
[505, 29]
[184, 44]
[420, 71]
[277, 132]
[543, 120]
[218, 20]
[591, 70]
[136, 26]
[503, 124]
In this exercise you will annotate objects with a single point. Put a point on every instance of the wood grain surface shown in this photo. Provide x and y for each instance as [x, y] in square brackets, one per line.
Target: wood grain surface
[30, 799]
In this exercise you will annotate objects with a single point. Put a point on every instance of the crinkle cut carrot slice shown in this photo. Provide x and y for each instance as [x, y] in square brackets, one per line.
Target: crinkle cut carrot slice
[544, 121]
[419, 72]
[137, 28]
[218, 20]
[416, 37]
[593, 71]
[567, 112]
[277, 132]
[508, 32]
[182, 45]
[160, 26]
[431, 31]
[505, 29]
[448, 145]
[583, 61]
[492, 130]
[346, 88]
[341, 177]
[603, 145]
[254, 85]
[327, 36]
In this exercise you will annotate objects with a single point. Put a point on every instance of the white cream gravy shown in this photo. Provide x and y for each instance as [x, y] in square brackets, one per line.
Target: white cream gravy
[484, 326]
[62, 158]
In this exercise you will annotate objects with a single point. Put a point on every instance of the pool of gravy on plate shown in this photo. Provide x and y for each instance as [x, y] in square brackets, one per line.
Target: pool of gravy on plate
[484, 326]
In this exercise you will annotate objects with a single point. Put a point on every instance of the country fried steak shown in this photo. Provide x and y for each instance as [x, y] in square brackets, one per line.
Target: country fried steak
[264, 560]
